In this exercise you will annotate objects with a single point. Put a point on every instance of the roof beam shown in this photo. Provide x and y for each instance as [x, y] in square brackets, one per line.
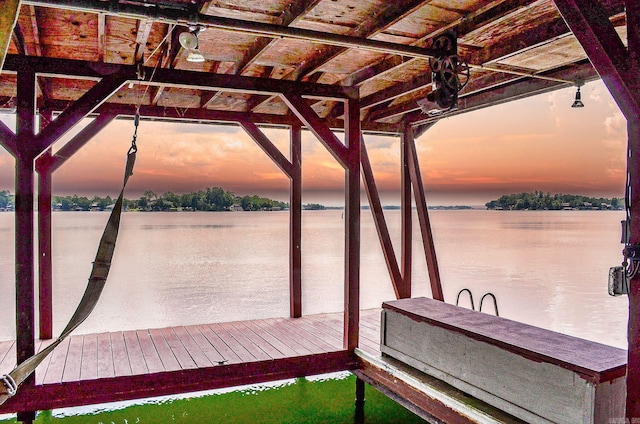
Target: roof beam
[268, 147]
[183, 16]
[177, 78]
[318, 127]
[80, 109]
[590, 24]
[518, 89]
[8, 139]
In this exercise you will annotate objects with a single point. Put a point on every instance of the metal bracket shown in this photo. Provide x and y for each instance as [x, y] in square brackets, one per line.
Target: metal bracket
[632, 252]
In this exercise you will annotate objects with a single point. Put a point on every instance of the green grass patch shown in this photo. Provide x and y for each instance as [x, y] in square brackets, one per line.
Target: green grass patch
[328, 400]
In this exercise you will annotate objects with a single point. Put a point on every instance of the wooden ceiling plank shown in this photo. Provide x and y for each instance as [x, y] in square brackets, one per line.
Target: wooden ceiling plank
[35, 31]
[142, 35]
[294, 12]
[395, 12]
[9, 11]
[525, 40]
[102, 43]
[590, 24]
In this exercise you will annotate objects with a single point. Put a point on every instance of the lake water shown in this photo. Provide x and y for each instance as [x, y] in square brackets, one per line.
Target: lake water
[546, 268]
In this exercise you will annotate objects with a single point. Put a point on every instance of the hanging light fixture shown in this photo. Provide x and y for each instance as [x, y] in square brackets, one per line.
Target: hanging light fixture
[578, 100]
[189, 41]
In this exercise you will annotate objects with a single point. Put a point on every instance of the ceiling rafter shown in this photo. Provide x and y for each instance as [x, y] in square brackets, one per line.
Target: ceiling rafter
[525, 40]
[142, 36]
[102, 42]
[369, 28]
[463, 25]
[293, 13]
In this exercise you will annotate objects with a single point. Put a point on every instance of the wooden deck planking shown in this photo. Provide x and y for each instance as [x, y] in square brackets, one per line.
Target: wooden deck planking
[267, 335]
[134, 352]
[235, 345]
[5, 356]
[180, 352]
[121, 364]
[210, 351]
[246, 342]
[149, 352]
[168, 359]
[89, 365]
[284, 336]
[197, 355]
[258, 340]
[137, 356]
[228, 354]
[56, 365]
[105, 367]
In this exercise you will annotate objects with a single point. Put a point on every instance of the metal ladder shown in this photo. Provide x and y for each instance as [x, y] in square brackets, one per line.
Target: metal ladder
[473, 307]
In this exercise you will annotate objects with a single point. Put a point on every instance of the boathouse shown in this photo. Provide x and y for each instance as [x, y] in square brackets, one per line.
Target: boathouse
[340, 69]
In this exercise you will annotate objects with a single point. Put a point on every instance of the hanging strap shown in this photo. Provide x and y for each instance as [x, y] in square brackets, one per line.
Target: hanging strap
[9, 383]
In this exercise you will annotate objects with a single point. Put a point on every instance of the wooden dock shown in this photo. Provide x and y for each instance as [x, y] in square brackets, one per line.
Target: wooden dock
[106, 367]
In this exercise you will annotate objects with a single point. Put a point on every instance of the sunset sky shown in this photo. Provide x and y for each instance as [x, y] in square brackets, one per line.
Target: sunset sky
[539, 143]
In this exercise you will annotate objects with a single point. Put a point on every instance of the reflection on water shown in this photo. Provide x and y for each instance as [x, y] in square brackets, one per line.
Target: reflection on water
[547, 268]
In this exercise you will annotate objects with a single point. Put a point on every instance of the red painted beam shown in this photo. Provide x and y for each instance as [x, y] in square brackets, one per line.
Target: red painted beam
[268, 147]
[80, 109]
[89, 392]
[589, 22]
[352, 226]
[24, 219]
[423, 218]
[633, 330]
[8, 139]
[295, 224]
[406, 252]
[177, 77]
[318, 127]
[52, 163]
[381, 225]
[45, 263]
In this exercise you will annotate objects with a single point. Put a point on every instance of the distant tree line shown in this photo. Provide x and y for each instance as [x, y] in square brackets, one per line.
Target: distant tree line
[546, 201]
[209, 199]
[6, 200]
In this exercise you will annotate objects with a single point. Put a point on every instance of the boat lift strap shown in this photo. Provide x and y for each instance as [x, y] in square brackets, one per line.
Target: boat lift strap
[96, 283]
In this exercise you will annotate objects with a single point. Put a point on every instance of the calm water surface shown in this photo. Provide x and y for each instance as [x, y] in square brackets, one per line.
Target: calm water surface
[547, 268]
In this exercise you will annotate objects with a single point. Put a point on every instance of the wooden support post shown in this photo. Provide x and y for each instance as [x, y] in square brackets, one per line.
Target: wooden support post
[633, 330]
[45, 264]
[295, 224]
[633, 167]
[24, 220]
[360, 401]
[407, 214]
[352, 224]
[423, 217]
